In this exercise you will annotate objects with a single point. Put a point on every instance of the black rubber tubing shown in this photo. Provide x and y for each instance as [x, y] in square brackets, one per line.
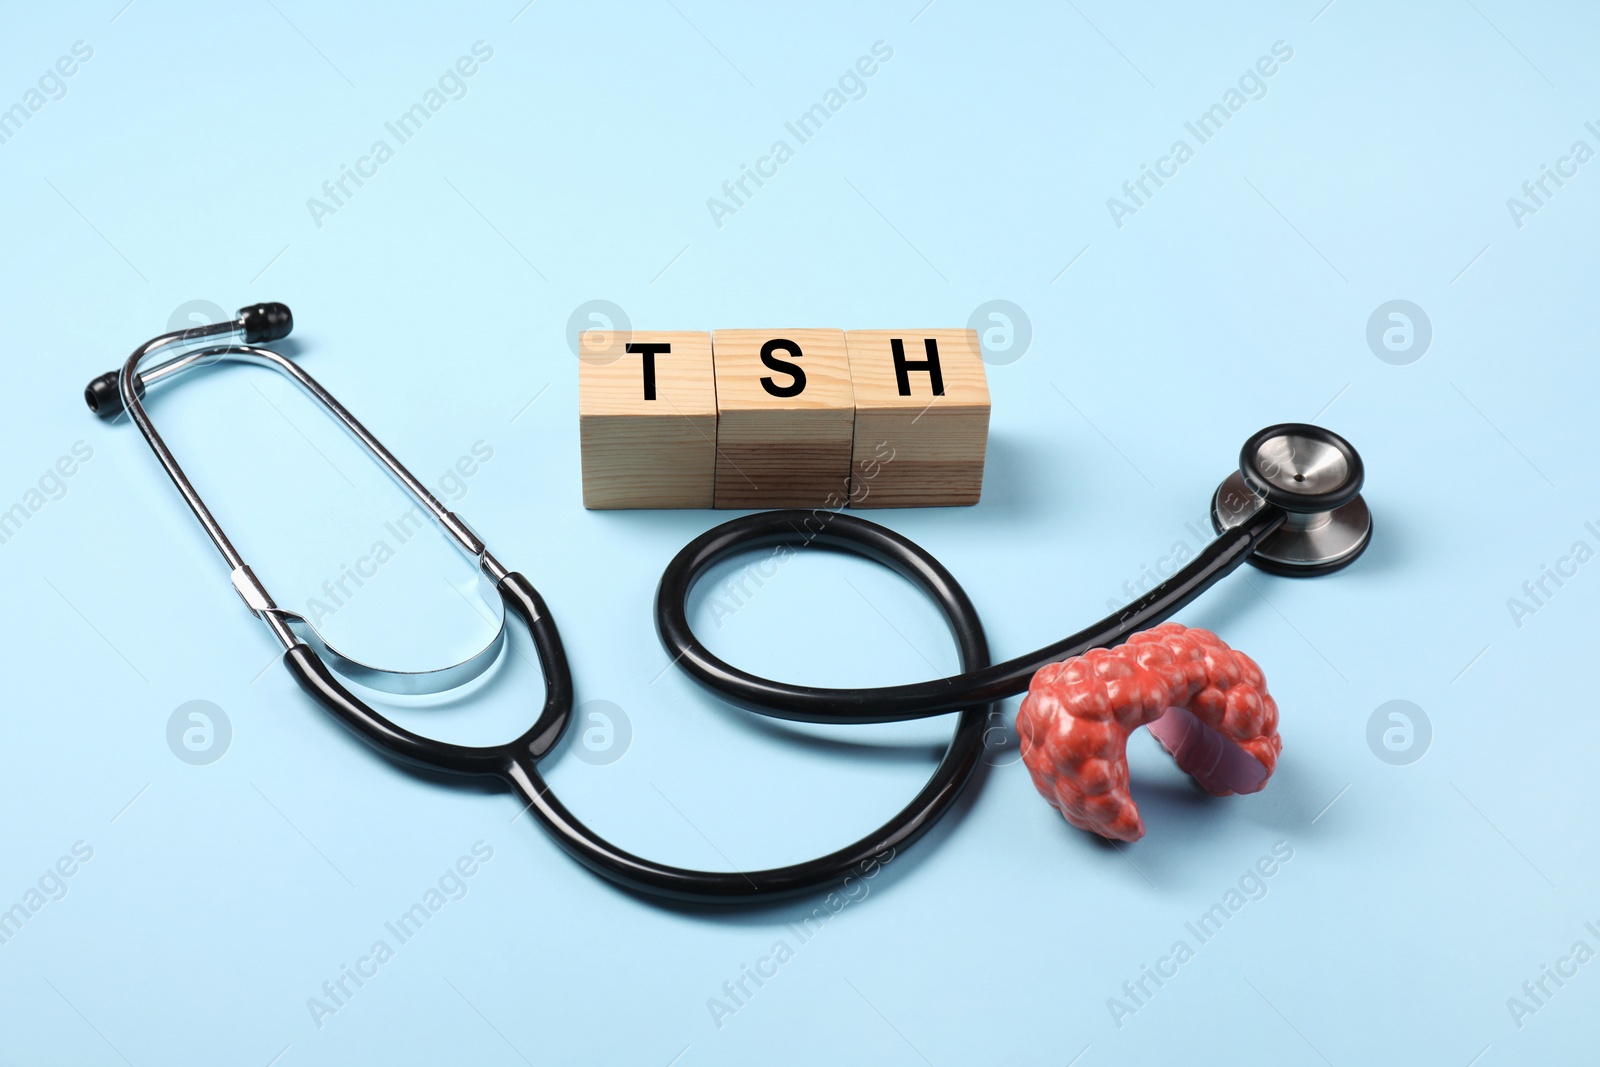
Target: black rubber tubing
[981, 684]
[972, 694]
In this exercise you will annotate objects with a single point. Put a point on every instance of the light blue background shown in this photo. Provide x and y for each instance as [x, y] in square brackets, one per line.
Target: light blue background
[977, 166]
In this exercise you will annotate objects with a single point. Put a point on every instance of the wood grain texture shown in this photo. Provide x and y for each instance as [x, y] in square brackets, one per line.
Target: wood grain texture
[640, 453]
[783, 451]
[919, 449]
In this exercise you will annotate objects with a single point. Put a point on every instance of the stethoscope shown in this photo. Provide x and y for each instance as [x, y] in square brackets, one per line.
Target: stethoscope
[1293, 508]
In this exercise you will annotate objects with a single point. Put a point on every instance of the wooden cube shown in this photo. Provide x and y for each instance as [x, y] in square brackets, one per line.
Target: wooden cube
[922, 418]
[647, 419]
[785, 412]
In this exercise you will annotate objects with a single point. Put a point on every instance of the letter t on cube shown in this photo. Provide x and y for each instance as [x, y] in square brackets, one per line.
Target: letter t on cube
[647, 419]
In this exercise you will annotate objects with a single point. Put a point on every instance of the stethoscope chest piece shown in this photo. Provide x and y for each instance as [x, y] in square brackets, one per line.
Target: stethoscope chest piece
[1313, 474]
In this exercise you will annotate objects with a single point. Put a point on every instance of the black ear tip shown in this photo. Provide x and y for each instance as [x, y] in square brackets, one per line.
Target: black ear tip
[104, 395]
[266, 322]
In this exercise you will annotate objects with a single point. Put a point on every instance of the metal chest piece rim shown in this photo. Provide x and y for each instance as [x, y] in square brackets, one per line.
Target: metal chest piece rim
[1315, 476]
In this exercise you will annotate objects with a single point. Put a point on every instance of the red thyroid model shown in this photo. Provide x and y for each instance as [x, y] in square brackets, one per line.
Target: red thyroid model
[1207, 704]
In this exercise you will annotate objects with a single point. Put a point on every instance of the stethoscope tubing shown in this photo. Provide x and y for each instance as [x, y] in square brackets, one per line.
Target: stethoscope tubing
[836, 532]
[916, 700]
[517, 761]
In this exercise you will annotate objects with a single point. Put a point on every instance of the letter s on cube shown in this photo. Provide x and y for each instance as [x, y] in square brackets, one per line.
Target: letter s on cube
[785, 411]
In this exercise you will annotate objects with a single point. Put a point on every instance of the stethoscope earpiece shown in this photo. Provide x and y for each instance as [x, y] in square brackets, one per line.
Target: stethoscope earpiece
[261, 323]
[104, 396]
[1314, 476]
[256, 324]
